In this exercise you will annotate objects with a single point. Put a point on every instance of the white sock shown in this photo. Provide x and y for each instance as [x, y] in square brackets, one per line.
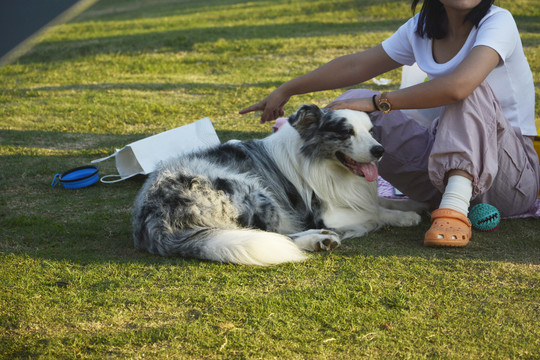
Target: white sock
[457, 194]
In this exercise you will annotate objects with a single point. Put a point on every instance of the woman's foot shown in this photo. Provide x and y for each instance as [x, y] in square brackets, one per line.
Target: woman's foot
[448, 228]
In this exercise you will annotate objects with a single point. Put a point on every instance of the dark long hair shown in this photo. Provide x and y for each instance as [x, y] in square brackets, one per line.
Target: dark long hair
[432, 21]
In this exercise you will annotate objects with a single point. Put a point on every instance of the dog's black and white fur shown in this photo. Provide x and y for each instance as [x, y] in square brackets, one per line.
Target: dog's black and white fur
[264, 201]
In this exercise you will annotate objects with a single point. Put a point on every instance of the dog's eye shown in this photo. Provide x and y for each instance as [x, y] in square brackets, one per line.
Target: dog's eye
[349, 132]
[371, 132]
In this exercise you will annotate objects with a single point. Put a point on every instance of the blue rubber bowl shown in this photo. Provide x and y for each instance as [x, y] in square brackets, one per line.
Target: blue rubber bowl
[77, 178]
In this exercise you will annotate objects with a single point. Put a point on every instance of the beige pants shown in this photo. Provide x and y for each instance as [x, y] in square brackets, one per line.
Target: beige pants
[471, 135]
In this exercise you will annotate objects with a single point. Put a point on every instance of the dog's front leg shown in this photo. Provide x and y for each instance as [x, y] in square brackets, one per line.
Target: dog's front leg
[316, 240]
[349, 223]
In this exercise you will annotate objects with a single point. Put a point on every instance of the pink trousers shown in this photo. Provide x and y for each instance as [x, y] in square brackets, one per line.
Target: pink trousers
[471, 135]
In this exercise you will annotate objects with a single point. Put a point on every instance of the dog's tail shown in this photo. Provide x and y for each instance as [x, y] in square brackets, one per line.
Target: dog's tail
[238, 246]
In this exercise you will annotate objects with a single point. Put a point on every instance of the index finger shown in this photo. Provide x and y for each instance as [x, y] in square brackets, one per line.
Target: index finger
[252, 108]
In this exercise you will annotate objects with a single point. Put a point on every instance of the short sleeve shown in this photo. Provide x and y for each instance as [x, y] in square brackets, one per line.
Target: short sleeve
[499, 32]
[399, 46]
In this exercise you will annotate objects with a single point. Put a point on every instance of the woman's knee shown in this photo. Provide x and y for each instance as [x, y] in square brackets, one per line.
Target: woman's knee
[356, 93]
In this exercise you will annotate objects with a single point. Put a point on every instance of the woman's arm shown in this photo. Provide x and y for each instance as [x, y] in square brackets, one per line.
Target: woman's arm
[340, 72]
[441, 91]
[450, 88]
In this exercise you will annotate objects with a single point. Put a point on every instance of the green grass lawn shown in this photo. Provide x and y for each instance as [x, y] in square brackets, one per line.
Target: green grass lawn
[73, 286]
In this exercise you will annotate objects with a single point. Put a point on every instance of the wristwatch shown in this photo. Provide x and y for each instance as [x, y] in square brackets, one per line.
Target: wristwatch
[383, 104]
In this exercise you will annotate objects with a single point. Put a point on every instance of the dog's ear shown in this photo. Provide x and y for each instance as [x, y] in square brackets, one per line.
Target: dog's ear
[307, 116]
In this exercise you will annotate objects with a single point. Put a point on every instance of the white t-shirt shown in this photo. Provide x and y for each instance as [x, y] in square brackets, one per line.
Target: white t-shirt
[512, 80]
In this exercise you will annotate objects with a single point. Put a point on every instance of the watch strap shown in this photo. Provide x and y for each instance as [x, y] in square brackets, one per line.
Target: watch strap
[375, 102]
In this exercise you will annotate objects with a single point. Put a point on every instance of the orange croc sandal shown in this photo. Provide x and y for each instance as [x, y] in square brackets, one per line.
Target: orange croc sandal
[448, 228]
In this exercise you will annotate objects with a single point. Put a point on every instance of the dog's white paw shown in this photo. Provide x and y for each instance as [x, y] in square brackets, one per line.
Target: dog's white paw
[316, 240]
[327, 240]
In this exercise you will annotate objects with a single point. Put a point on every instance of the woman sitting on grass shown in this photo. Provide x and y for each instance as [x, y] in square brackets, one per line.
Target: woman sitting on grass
[480, 148]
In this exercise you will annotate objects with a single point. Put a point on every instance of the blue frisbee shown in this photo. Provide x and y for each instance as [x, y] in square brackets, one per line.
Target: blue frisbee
[77, 178]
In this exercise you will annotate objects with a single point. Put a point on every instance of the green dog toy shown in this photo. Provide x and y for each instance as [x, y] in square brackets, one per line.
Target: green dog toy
[485, 217]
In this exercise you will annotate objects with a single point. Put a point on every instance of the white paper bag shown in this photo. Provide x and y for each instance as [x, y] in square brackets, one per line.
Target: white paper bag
[142, 156]
[412, 75]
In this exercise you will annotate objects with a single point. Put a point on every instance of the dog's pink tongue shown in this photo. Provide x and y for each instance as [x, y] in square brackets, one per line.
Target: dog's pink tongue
[368, 170]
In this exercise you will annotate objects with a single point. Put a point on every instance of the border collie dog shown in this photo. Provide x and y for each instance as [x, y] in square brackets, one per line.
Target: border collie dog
[263, 202]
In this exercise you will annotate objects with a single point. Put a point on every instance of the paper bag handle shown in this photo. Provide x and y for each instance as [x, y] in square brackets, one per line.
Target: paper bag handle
[104, 179]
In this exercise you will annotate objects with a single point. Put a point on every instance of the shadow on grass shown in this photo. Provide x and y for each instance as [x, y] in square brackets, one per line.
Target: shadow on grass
[185, 40]
[128, 10]
[94, 224]
[89, 143]
[138, 86]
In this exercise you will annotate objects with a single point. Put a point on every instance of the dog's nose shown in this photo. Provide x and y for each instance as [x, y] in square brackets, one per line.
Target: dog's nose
[377, 151]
